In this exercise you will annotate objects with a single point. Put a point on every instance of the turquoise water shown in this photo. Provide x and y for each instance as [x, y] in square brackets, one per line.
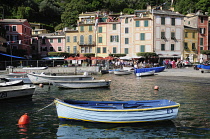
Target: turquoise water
[193, 120]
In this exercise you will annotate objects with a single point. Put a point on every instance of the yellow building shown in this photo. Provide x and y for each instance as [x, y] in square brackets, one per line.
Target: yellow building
[190, 51]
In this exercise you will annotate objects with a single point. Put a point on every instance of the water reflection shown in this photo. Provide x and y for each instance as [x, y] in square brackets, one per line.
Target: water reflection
[82, 130]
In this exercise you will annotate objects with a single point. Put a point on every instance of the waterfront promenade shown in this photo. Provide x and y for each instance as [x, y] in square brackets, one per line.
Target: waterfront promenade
[94, 70]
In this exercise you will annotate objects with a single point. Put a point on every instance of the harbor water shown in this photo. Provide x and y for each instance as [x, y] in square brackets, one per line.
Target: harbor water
[193, 120]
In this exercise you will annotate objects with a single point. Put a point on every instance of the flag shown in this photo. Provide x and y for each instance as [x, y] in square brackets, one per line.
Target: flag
[96, 23]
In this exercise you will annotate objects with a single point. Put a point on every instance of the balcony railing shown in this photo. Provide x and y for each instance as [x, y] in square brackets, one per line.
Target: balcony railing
[86, 43]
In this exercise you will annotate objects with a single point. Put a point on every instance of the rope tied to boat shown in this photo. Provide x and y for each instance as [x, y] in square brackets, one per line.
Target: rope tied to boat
[45, 107]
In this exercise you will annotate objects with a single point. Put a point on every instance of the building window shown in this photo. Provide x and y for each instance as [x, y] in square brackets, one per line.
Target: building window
[36, 32]
[186, 34]
[201, 41]
[126, 20]
[202, 20]
[193, 35]
[202, 30]
[162, 20]
[173, 21]
[59, 49]
[104, 49]
[163, 35]
[137, 23]
[146, 23]
[25, 29]
[173, 35]
[59, 40]
[126, 50]
[98, 50]
[81, 39]
[142, 48]
[68, 39]
[90, 28]
[172, 47]
[51, 49]
[126, 30]
[100, 30]
[201, 48]
[114, 38]
[193, 46]
[68, 49]
[90, 40]
[114, 27]
[114, 50]
[162, 47]
[51, 40]
[126, 40]
[7, 28]
[185, 46]
[99, 39]
[75, 49]
[75, 38]
[188, 22]
[14, 28]
[142, 36]
[81, 28]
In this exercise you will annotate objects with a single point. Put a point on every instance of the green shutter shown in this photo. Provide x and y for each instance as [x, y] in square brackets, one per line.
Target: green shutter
[137, 23]
[146, 23]
[142, 48]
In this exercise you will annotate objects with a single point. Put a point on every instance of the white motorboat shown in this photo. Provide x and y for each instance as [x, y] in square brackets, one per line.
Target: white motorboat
[83, 84]
[35, 68]
[48, 79]
[146, 73]
[10, 83]
[16, 91]
[122, 72]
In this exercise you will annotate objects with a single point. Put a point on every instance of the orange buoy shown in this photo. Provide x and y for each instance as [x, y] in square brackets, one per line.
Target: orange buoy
[24, 119]
[156, 88]
[41, 85]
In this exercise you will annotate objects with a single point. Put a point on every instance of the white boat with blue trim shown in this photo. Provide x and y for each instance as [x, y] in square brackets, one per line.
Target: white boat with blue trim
[49, 79]
[117, 111]
[83, 84]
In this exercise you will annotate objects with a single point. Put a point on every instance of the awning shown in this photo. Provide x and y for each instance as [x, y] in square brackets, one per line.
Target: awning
[12, 56]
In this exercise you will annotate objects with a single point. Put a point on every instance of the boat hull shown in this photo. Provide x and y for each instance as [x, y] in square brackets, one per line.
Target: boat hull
[48, 79]
[16, 91]
[148, 73]
[156, 69]
[120, 72]
[67, 111]
[83, 84]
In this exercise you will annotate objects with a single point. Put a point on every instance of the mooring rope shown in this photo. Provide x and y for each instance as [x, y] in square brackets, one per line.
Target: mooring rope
[41, 108]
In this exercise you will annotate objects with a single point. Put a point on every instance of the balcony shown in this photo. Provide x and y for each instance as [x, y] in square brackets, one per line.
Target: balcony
[86, 43]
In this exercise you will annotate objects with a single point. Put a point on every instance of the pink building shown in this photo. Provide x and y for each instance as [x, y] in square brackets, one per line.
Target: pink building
[18, 34]
[51, 42]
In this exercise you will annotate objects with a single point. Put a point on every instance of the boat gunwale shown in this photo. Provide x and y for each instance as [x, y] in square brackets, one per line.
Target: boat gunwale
[50, 76]
[114, 110]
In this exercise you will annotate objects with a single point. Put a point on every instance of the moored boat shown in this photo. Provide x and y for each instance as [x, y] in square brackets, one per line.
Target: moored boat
[16, 91]
[156, 69]
[35, 68]
[117, 111]
[10, 83]
[47, 79]
[83, 84]
[122, 72]
[145, 73]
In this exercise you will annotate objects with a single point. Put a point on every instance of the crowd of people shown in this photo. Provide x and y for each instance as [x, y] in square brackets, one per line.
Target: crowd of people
[173, 64]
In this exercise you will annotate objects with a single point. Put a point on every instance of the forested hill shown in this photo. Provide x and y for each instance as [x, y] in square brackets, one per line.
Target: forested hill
[56, 14]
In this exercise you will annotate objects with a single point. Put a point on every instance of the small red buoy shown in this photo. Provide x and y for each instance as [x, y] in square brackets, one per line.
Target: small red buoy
[24, 119]
[156, 88]
[41, 85]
